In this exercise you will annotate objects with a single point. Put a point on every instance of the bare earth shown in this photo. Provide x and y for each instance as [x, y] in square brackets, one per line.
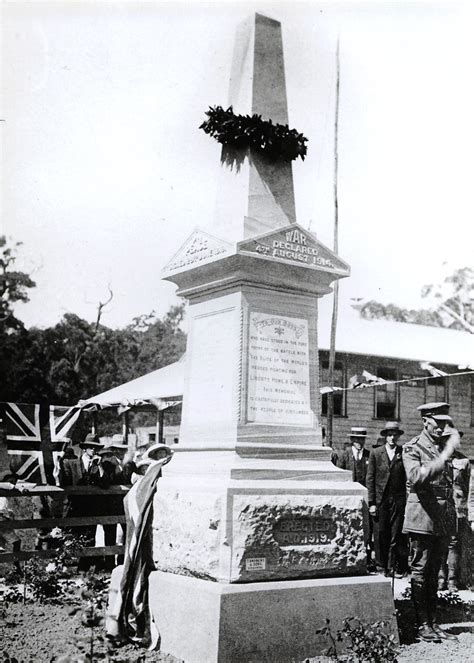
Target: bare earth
[39, 633]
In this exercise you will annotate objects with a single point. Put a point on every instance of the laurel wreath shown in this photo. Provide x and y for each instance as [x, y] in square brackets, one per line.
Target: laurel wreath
[276, 141]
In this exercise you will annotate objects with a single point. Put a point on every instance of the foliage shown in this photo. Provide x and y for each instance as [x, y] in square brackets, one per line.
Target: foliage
[14, 285]
[276, 141]
[9, 659]
[373, 310]
[368, 642]
[46, 580]
[364, 643]
[445, 598]
[452, 304]
[326, 632]
[39, 583]
[75, 359]
[454, 296]
[93, 596]
[450, 599]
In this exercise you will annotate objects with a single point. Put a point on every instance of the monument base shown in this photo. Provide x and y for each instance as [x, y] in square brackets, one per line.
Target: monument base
[272, 622]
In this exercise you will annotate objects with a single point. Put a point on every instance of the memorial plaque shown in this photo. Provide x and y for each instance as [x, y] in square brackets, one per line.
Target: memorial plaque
[255, 564]
[278, 371]
[304, 531]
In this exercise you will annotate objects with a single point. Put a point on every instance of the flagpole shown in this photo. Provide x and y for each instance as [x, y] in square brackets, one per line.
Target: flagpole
[332, 345]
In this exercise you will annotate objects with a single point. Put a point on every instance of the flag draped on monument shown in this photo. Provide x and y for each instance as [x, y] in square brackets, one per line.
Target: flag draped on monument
[36, 436]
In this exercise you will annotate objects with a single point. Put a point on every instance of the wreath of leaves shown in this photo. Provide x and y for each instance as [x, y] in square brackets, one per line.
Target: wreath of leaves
[277, 141]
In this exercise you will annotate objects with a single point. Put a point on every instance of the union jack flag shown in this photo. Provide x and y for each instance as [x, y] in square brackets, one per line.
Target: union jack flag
[36, 437]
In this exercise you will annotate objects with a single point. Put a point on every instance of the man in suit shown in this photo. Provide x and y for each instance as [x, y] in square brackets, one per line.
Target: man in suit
[356, 457]
[386, 485]
[84, 471]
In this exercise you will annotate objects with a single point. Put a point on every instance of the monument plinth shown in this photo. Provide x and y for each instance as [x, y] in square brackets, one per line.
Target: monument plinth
[251, 494]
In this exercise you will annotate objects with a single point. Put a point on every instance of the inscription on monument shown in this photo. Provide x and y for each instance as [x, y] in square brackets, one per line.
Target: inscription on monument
[304, 531]
[278, 376]
[255, 564]
[199, 247]
[295, 245]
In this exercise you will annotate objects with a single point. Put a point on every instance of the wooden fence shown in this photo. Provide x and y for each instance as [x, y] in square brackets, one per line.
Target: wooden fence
[47, 523]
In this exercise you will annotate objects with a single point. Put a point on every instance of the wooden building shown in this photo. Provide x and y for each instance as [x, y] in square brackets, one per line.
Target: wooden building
[397, 352]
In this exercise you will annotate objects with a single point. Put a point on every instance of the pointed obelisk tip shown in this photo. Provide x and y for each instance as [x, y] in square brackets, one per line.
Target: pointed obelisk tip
[261, 18]
[258, 196]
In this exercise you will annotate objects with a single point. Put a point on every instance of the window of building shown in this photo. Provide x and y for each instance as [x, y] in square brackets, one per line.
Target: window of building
[338, 396]
[386, 395]
[436, 390]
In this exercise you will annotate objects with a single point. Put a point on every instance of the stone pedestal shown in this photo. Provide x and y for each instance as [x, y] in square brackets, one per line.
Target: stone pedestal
[251, 517]
[228, 530]
[271, 622]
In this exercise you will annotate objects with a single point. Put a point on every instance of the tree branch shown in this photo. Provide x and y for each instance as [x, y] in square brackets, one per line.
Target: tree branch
[100, 308]
[456, 316]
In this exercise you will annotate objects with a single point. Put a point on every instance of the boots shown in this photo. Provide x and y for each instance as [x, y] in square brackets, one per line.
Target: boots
[420, 600]
[432, 601]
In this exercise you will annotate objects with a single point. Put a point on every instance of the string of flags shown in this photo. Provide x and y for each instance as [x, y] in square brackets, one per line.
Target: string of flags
[366, 379]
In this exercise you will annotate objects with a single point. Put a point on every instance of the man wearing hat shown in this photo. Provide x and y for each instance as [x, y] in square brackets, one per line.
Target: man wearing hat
[430, 514]
[83, 471]
[110, 504]
[89, 461]
[386, 485]
[356, 457]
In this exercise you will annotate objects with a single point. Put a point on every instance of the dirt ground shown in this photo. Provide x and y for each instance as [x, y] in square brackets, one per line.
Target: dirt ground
[44, 633]
[35, 633]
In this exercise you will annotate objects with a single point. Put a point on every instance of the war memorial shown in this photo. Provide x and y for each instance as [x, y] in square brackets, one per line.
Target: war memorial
[257, 537]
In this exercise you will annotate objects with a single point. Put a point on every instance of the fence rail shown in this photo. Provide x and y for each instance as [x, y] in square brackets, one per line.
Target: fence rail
[66, 522]
[99, 551]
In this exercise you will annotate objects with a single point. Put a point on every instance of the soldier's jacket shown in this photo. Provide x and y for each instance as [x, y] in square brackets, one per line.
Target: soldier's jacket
[430, 505]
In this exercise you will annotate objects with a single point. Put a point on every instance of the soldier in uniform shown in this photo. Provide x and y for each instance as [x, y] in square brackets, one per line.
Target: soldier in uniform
[430, 513]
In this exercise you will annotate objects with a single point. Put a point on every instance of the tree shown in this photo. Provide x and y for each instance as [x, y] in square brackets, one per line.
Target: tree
[160, 341]
[14, 285]
[373, 310]
[76, 359]
[454, 297]
[452, 304]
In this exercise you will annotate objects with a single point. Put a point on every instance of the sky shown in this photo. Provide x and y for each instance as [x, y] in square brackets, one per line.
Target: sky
[105, 172]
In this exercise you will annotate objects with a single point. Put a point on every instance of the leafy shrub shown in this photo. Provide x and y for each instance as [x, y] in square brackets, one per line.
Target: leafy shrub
[365, 643]
[368, 642]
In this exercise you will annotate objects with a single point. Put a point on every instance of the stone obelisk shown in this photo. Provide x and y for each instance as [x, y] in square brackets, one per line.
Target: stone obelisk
[253, 522]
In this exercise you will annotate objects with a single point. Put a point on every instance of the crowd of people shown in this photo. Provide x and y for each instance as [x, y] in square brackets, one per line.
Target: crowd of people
[94, 464]
[418, 495]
